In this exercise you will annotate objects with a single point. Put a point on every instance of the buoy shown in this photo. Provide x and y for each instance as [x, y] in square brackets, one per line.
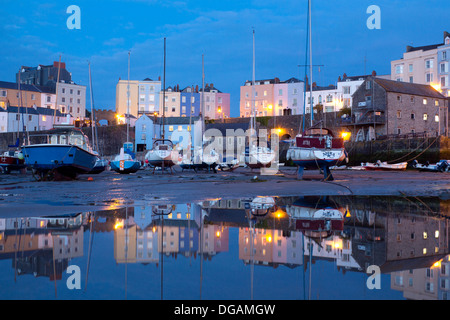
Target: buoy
[90, 179]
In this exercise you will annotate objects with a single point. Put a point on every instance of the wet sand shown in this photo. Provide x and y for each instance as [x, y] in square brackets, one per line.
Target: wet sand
[21, 195]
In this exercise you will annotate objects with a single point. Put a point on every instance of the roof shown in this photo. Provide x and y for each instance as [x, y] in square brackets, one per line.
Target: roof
[22, 110]
[423, 48]
[223, 127]
[176, 120]
[25, 87]
[409, 88]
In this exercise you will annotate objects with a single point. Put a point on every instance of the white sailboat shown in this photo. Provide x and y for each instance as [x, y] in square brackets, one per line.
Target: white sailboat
[125, 161]
[256, 156]
[163, 154]
[316, 147]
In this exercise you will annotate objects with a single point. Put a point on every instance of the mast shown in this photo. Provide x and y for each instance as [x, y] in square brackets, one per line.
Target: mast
[56, 90]
[203, 97]
[128, 97]
[92, 107]
[164, 91]
[252, 119]
[310, 62]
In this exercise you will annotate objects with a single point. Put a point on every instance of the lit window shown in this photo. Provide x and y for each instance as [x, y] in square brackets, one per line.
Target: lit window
[425, 235]
[170, 128]
[180, 128]
[436, 118]
[436, 234]
[425, 116]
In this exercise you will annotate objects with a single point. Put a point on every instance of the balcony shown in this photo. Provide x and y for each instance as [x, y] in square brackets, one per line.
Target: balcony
[367, 118]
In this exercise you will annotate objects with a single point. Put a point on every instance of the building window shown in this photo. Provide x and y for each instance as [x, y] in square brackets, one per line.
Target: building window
[399, 114]
[436, 103]
[436, 118]
[346, 90]
[399, 69]
[399, 98]
[413, 116]
[170, 128]
[411, 68]
[444, 55]
[425, 116]
[180, 128]
[425, 101]
[368, 85]
[411, 79]
[429, 64]
[429, 77]
[280, 92]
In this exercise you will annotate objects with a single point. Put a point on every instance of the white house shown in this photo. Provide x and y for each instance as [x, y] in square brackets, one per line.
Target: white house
[46, 117]
[22, 119]
[3, 120]
[72, 99]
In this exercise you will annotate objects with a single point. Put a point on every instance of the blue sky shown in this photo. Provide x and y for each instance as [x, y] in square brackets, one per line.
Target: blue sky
[35, 32]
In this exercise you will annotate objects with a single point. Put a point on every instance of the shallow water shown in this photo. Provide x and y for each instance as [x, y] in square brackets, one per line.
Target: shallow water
[241, 249]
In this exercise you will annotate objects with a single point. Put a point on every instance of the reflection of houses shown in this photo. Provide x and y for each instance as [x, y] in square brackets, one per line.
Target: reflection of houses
[41, 246]
[270, 247]
[396, 241]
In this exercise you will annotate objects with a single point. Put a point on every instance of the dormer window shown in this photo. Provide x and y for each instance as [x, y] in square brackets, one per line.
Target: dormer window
[447, 40]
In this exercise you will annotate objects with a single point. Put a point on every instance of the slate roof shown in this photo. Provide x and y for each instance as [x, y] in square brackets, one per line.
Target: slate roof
[25, 87]
[409, 88]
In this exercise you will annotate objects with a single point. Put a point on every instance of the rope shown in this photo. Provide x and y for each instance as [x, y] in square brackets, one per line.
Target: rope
[395, 160]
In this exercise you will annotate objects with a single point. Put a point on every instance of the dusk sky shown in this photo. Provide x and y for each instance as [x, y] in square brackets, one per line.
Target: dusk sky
[35, 32]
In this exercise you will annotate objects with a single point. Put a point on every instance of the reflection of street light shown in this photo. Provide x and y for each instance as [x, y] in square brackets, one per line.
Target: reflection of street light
[346, 135]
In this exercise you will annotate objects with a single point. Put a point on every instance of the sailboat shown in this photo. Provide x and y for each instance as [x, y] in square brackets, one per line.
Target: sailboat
[256, 156]
[100, 164]
[125, 162]
[316, 147]
[162, 154]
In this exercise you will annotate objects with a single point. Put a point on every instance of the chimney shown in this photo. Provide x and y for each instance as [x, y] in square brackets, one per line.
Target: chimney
[409, 48]
[314, 85]
[374, 73]
[159, 78]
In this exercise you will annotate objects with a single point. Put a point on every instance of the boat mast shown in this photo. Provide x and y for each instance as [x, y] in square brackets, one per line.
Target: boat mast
[310, 62]
[56, 90]
[94, 137]
[203, 97]
[306, 74]
[252, 119]
[128, 97]
[164, 91]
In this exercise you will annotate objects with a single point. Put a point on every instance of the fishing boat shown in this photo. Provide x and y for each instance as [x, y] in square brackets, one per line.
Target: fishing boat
[384, 166]
[66, 154]
[440, 166]
[12, 160]
[317, 148]
[125, 162]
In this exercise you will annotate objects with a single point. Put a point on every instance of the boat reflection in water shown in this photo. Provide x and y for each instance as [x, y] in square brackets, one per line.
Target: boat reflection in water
[237, 243]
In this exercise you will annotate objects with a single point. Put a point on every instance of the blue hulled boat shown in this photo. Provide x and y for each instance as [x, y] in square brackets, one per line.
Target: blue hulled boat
[125, 162]
[62, 153]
